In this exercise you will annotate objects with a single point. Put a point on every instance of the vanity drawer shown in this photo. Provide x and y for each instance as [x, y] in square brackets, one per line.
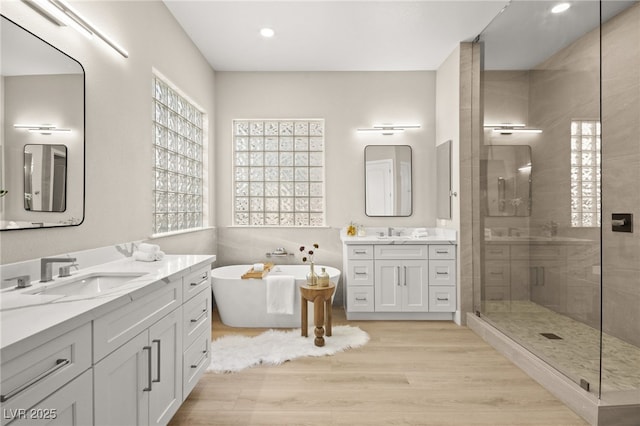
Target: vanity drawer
[195, 282]
[442, 299]
[442, 272]
[112, 330]
[196, 359]
[497, 272]
[401, 252]
[359, 252]
[360, 299]
[496, 293]
[196, 317]
[360, 272]
[439, 251]
[32, 376]
[497, 251]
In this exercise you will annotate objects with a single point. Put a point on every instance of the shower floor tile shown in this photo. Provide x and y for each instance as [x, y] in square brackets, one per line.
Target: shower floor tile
[577, 351]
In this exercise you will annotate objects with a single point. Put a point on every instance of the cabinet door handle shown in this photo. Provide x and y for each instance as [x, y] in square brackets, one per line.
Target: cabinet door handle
[440, 299]
[149, 380]
[442, 251]
[202, 358]
[405, 275]
[158, 368]
[442, 273]
[360, 252]
[398, 275]
[364, 299]
[360, 273]
[204, 312]
[59, 364]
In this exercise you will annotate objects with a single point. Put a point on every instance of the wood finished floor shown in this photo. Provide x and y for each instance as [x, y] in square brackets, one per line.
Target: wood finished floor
[410, 373]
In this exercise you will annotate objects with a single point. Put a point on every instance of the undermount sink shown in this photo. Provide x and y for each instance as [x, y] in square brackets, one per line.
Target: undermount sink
[90, 285]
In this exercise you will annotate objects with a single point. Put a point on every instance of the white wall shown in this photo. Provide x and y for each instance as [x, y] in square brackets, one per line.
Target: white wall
[347, 101]
[448, 125]
[448, 104]
[118, 123]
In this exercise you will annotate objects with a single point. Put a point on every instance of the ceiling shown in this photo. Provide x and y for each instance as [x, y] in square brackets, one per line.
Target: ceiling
[390, 35]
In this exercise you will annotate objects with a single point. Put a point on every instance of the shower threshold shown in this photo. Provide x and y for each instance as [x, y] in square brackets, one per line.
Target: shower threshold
[620, 408]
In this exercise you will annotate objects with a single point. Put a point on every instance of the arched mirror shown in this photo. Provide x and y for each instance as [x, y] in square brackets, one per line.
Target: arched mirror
[42, 137]
[388, 180]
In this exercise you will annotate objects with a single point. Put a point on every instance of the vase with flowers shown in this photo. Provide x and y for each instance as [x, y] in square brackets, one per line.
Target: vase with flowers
[308, 256]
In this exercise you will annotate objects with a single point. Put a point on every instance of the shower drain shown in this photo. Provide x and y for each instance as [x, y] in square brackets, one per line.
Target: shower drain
[551, 336]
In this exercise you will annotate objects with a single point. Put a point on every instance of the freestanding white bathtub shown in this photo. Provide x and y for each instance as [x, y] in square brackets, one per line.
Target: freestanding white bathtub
[243, 303]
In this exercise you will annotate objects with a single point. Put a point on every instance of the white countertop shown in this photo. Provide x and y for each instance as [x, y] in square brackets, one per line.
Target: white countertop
[372, 236]
[24, 315]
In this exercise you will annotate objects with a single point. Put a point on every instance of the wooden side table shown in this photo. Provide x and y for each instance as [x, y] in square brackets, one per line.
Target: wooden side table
[321, 298]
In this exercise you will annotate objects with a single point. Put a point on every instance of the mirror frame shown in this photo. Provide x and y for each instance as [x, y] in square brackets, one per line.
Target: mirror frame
[410, 176]
[81, 203]
[443, 180]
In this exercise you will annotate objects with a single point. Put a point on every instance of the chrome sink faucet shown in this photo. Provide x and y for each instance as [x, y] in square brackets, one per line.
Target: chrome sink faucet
[45, 266]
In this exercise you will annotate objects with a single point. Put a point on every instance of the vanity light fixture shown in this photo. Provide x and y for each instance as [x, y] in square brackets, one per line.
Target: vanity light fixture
[60, 12]
[509, 128]
[43, 129]
[526, 168]
[389, 129]
[560, 7]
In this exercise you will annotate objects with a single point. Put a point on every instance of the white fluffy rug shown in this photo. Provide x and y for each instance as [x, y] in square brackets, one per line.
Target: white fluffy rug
[234, 353]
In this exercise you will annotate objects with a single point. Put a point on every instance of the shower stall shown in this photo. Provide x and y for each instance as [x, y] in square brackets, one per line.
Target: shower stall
[556, 178]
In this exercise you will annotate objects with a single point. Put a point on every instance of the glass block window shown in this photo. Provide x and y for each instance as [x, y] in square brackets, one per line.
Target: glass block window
[585, 173]
[278, 172]
[178, 168]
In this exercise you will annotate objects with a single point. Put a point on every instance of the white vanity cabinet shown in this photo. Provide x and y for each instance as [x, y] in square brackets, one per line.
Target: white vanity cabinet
[399, 279]
[359, 274]
[35, 386]
[442, 278]
[196, 329]
[140, 383]
[126, 359]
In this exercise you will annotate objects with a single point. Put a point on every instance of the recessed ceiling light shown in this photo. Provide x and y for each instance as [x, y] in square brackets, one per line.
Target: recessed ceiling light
[267, 32]
[560, 7]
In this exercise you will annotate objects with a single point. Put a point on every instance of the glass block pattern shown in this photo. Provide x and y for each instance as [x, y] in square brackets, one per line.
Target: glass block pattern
[278, 173]
[178, 171]
[585, 173]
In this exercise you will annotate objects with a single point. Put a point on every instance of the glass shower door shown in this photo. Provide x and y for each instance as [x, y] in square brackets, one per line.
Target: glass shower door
[540, 183]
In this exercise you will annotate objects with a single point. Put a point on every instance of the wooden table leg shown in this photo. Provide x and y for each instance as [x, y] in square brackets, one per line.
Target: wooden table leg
[318, 317]
[327, 306]
[305, 317]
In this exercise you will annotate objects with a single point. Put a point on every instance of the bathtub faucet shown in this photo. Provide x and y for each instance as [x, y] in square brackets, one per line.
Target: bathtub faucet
[280, 251]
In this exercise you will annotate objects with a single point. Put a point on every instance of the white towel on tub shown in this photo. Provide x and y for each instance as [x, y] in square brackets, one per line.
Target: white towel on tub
[280, 294]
